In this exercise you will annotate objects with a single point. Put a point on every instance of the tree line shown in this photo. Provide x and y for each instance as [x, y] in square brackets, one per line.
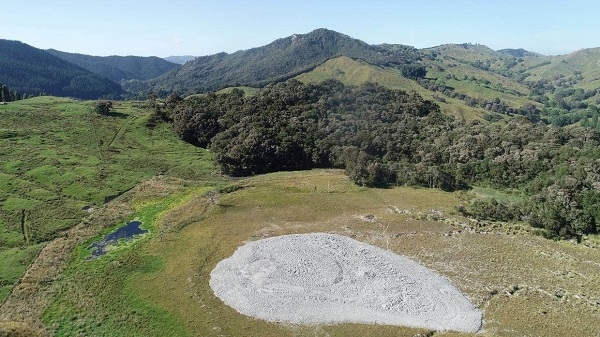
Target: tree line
[8, 95]
[385, 137]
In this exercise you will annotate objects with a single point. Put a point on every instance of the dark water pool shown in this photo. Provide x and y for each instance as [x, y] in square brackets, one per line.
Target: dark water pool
[126, 232]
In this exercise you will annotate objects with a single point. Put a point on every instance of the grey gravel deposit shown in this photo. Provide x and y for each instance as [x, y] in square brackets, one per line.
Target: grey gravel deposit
[325, 278]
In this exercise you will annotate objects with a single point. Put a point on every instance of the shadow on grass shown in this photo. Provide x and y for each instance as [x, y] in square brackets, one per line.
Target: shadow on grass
[116, 114]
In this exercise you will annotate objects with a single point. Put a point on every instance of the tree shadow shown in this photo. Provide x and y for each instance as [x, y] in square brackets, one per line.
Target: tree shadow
[116, 114]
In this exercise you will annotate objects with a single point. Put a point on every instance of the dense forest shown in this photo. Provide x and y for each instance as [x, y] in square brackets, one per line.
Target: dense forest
[389, 137]
[119, 68]
[32, 71]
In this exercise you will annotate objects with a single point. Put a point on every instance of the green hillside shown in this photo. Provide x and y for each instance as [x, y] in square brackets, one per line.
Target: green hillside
[57, 156]
[564, 89]
[29, 70]
[357, 72]
[279, 60]
[579, 70]
[469, 81]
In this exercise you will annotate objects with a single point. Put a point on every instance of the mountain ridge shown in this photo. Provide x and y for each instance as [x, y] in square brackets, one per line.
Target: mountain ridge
[179, 59]
[279, 60]
[33, 71]
[119, 68]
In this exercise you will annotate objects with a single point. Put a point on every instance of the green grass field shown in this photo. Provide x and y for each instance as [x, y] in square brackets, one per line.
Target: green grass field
[57, 156]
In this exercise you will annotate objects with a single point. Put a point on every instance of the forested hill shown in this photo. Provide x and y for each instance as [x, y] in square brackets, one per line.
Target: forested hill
[181, 59]
[119, 68]
[470, 81]
[382, 137]
[29, 70]
[279, 60]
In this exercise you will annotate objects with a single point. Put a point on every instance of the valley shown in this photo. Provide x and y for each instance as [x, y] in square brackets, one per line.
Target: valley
[482, 166]
[523, 284]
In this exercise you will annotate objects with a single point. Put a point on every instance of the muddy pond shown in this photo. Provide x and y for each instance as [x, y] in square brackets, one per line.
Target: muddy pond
[126, 232]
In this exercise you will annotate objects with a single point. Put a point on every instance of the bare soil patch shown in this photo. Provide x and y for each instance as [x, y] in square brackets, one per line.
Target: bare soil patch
[327, 278]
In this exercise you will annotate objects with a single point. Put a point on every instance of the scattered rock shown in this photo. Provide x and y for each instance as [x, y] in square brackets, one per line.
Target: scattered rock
[367, 217]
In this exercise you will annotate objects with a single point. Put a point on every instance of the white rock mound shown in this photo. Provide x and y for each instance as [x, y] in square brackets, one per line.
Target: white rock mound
[326, 278]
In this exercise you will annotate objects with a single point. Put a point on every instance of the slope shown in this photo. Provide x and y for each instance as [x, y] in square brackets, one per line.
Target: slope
[58, 156]
[119, 68]
[29, 70]
[579, 69]
[357, 72]
[449, 84]
[467, 80]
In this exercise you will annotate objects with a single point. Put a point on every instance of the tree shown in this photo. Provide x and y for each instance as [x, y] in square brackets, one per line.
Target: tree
[5, 93]
[152, 97]
[413, 71]
[102, 107]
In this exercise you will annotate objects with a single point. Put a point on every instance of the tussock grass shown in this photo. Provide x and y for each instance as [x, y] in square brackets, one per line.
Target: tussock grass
[489, 193]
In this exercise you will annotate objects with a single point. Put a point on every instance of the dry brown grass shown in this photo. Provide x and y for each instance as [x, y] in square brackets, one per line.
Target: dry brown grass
[19, 329]
[525, 285]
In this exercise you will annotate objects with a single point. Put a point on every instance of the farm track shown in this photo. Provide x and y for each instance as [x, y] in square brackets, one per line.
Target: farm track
[121, 130]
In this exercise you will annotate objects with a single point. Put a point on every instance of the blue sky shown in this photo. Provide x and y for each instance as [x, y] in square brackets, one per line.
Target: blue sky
[187, 27]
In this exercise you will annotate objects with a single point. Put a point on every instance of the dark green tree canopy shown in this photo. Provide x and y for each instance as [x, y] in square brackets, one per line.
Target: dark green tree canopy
[383, 137]
[103, 107]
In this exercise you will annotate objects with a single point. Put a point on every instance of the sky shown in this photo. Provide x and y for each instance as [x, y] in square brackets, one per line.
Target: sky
[187, 27]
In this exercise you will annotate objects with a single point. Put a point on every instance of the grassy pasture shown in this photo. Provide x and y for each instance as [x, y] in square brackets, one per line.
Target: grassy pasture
[158, 285]
[57, 156]
[352, 72]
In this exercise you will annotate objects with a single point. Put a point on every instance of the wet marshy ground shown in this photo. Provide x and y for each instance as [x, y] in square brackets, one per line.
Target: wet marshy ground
[126, 232]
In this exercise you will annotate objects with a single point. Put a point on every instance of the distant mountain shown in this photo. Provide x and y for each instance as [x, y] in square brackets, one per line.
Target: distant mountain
[29, 70]
[180, 59]
[119, 68]
[279, 60]
[518, 52]
[469, 81]
[474, 81]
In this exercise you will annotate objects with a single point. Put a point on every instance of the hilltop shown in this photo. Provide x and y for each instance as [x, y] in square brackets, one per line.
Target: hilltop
[277, 61]
[179, 59]
[469, 81]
